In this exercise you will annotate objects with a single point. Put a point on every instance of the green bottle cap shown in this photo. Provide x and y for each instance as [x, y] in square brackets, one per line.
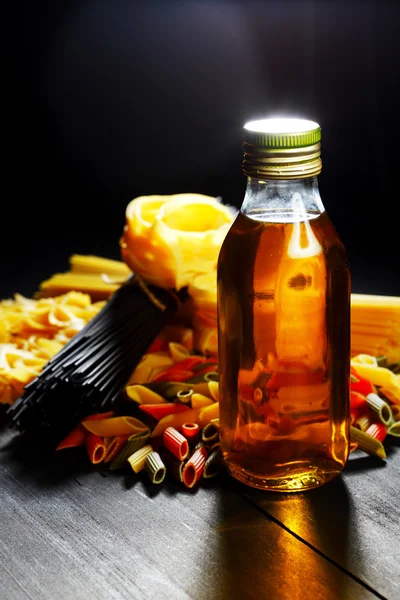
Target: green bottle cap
[282, 133]
[282, 148]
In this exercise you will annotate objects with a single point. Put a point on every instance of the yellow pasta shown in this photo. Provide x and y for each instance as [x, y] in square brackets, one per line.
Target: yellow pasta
[137, 459]
[115, 426]
[367, 443]
[80, 263]
[87, 274]
[178, 352]
[143, 395]
[213, 386]
[198, 401]
[207, 414]
[382, 377]
[150, 365]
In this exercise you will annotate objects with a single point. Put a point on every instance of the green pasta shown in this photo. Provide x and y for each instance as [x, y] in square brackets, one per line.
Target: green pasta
[363, 422]
[210, 433]
[394, 429]
[367, 443]
[132, 444]
[166, 389]
[185, 395]
[154, 467]
[380, 407]
[213, 464]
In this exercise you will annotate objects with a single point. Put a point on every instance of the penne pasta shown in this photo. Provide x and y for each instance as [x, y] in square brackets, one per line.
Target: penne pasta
[74, 439]
[207, 413]
[78, 435]
[394, 429]
[213, 464]
[95, 447]
[380, 408]
[377, 375]
[115, 426]
[194, 467]
[191, 431]
[138, 458]
[198, 401]
[114, 447]
[363, 422]
[154, 467]
[172, 374]
[158, 411]
[377, 431]
[213, 386]
[176, 443]
[174, 421]
[168, 390]
[210, 433]
[367, 443]
[185, 396]
[177, 351]
[143, 395]
[132, 444]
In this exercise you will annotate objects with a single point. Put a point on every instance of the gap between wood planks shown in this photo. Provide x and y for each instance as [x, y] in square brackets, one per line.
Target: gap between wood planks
[268, 516]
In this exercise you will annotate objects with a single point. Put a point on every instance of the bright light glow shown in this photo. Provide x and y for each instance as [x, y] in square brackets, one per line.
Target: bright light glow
[281, 125]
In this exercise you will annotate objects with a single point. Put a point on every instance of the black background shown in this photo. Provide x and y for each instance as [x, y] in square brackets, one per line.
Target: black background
[105, 101]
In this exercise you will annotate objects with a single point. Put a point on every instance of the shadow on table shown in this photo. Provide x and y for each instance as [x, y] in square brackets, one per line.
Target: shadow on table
[32, 458]
[297, 544]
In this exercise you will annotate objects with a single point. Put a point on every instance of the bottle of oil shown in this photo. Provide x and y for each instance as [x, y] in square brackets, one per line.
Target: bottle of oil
[284, 319]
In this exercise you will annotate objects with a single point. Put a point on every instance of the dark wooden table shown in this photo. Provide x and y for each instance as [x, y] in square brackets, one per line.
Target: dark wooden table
[71, 531]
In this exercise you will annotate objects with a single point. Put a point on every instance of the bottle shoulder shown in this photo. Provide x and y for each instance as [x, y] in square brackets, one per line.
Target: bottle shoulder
[249, 235]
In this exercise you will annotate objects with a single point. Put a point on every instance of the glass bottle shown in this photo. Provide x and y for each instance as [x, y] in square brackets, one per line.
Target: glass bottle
[284, 319]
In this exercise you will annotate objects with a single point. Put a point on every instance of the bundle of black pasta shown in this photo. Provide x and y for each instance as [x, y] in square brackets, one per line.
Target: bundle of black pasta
[88, 374]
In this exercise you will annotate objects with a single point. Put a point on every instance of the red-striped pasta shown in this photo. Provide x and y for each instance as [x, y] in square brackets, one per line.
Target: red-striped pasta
[95, 447]
[158, 411]
[114, 447]
[191, 431]
[176, 443]
[194, 467]
[377, 431]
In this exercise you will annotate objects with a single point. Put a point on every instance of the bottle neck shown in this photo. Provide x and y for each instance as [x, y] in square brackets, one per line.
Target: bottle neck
[283, 200]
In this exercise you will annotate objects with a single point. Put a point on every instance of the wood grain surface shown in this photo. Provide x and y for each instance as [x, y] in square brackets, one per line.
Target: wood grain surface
[71, 531]
[354, 521]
